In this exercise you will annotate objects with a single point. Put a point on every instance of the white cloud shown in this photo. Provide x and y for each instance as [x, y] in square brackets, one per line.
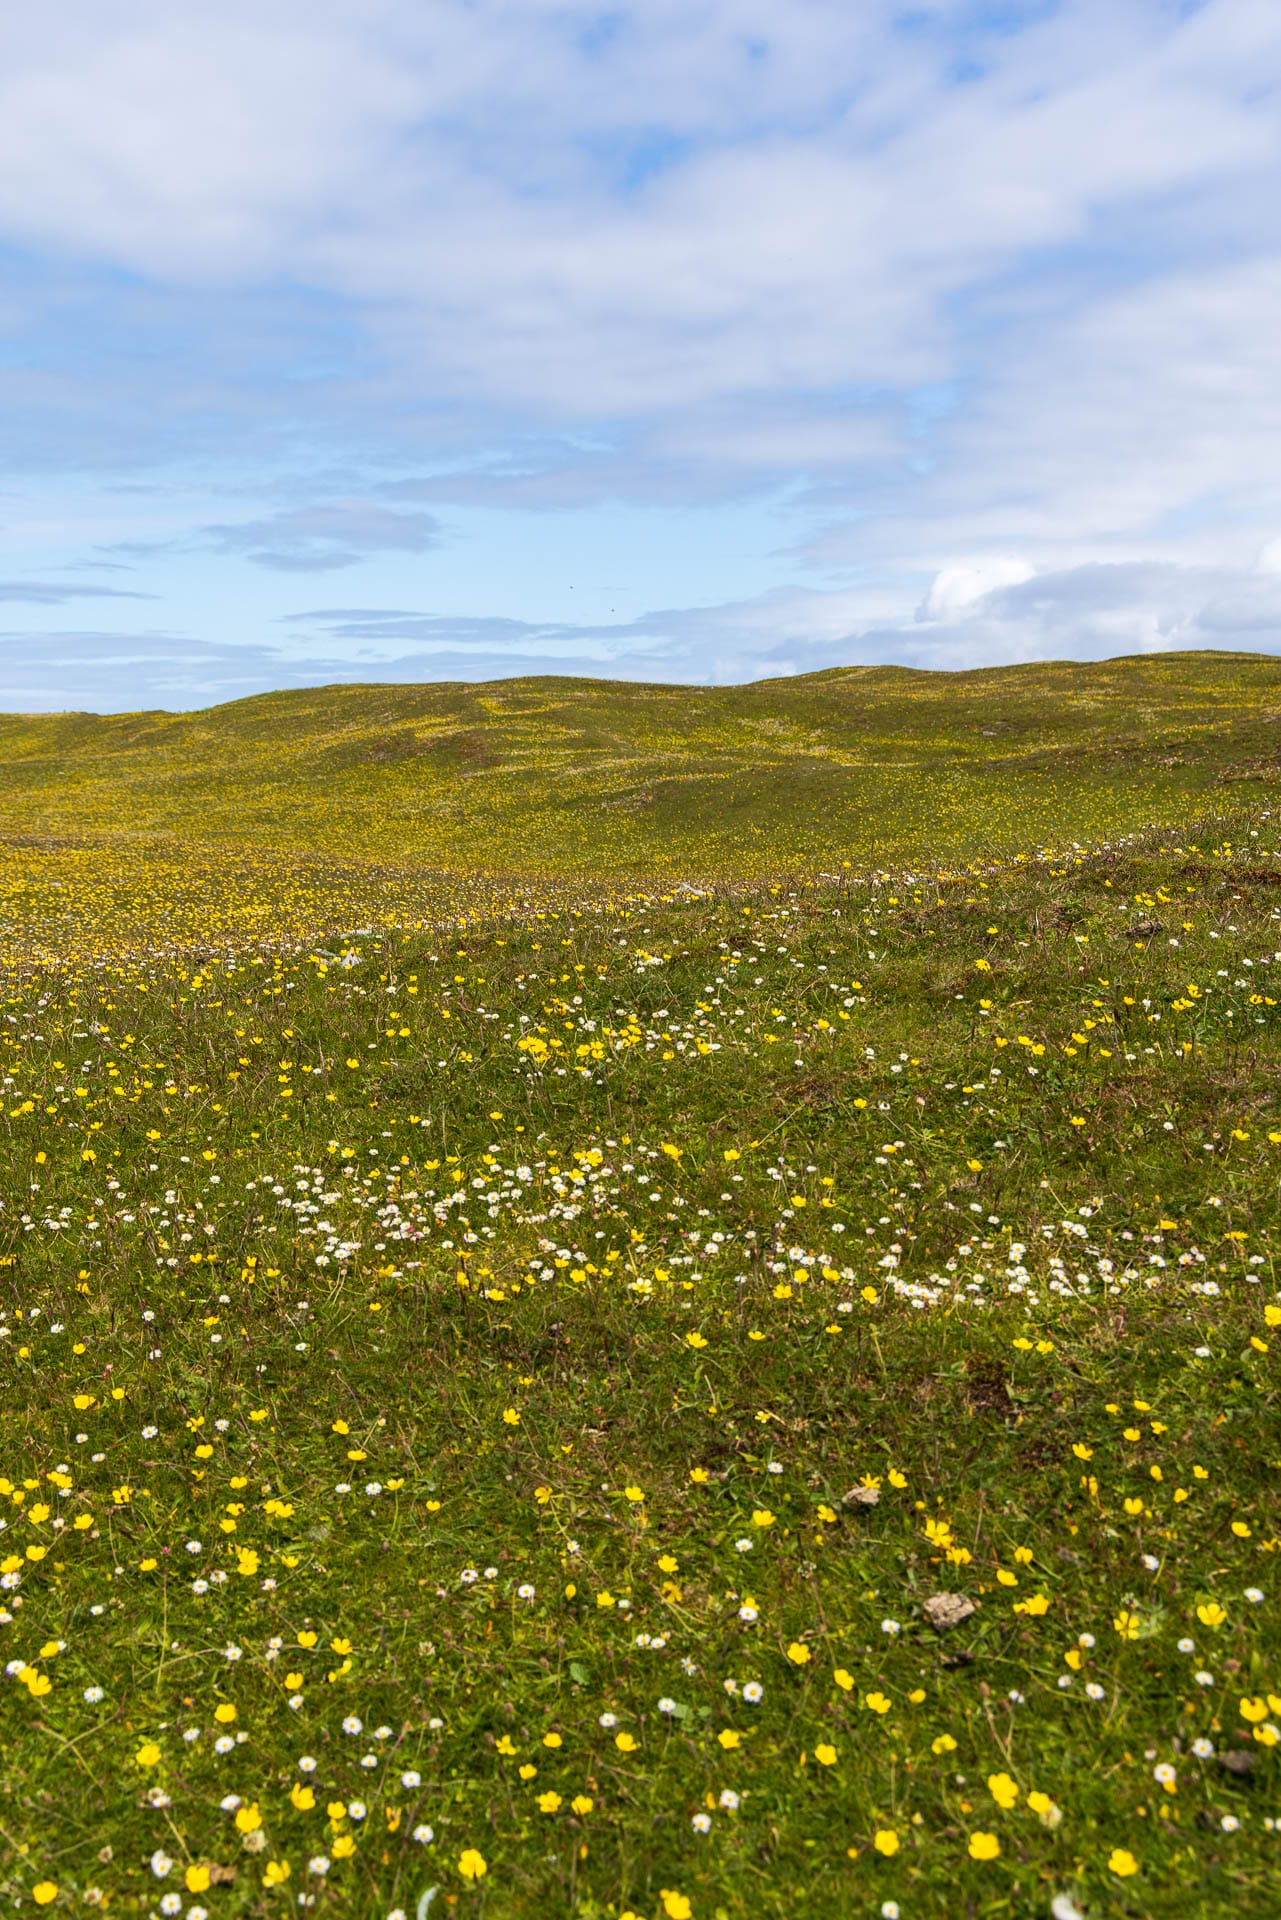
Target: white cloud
[957, 587]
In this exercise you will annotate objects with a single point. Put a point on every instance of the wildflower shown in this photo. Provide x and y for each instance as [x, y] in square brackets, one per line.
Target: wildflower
[886, 1841]
[983, 1846]
[1122, 1862]
[702, 1823]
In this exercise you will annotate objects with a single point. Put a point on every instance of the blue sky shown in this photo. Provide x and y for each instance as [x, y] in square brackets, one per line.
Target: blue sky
[363, 339]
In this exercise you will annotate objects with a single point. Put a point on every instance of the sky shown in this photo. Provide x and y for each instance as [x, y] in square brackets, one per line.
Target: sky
[700, 342]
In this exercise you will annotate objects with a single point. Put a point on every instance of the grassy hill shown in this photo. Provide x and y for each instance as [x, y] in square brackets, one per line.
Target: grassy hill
[562, 1346]
[567, 777]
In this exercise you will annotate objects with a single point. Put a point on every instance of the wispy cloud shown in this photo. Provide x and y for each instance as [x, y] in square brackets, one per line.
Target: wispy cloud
[55, 593]
[322, 538]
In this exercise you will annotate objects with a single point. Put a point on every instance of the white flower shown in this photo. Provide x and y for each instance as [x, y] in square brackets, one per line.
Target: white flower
[1203, 1749]
[753, 1693]
[319, 1865]
[351, 1724]
[411, 1779]
[230, 1802]
[160, 1863]
[307, 1764]
[744, 1545]
[1229, 1823]
[1164, 1774]
[149, 1433]
[382, 1733]
[295, 1702]
[424, 1836]
[171, 1903]
[890, 1626]
[491, 1573]
[889, 1910]
[525, 1591]
[344, 1486]
[93, 1695]
[369, 1759]
[1203, 1679]
[469, 1576]
[373, 1488]
[748, 1615]
[356, 1809]
[231, 1653]
[666, 1706]
[1187, 1646]
[397, 1913]
[194, 1546]
[1151, 1562]
[775, 1466]
[608, 1720]
[729, 1799]
[1254, 1595]
[702, 1823]
[224, 1743]
[190, 1733]
[1094, 1690]
[1085, 1640]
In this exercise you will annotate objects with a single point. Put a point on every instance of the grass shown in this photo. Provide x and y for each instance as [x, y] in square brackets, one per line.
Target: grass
[510, 1353]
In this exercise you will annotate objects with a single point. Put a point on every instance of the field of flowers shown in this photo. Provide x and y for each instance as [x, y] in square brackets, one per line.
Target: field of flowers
[535, 1389]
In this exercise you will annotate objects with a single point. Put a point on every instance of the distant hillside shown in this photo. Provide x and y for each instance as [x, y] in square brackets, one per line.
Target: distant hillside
[563, 777]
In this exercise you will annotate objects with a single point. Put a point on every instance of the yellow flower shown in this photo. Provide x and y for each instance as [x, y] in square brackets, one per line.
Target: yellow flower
[197, 1879]
[1254, 1710]
[277, 1872]
[1003, 1790]
[548, 1802]
[248, 1819]
[695, 1340]
[1211, 1614]
[344, 1847]
[44, 1891]
[472, 1864]
[634, 1494]
[886, 1841]
[825, 1755]
[147, 1754]
[699, 1476]
[511, 1417]
[762, 1517]
[1121, 1861]
[729, 1738]
[582, 1803]
[675, 1905]
[799, 1654]
[844, 1680]
[983, 1846]
[225, 1713]
[625, 1742]
[1127, 1624]
[303, 1798]
[944, 1744]
[877, 1702]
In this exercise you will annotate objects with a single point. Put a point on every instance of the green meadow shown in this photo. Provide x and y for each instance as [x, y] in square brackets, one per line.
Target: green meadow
[646, 1303]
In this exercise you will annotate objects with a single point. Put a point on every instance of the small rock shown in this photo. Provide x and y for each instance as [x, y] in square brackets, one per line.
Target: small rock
[861, 1497]
[1144, 929]
[944, 1610]
[1239, 1761]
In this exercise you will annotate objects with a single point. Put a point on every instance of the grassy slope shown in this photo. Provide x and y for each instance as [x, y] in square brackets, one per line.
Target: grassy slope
[565, 777]
[975, 1151]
